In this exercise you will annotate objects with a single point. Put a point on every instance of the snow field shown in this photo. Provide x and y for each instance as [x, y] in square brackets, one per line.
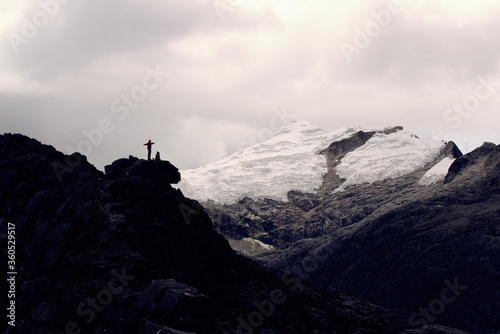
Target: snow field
[289, 160]
[437, 173]
[387, 157]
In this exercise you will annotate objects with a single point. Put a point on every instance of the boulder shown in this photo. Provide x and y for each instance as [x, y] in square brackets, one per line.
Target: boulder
[160, 171]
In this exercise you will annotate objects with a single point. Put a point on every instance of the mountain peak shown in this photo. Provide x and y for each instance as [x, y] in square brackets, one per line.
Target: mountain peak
[288, 160]
[291, 160]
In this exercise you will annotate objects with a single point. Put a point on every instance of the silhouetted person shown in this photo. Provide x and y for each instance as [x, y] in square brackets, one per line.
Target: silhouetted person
[149, 144]
[157, 156]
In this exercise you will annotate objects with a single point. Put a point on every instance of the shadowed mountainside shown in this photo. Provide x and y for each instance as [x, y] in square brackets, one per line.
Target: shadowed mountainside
[127, 253]
[393, 242]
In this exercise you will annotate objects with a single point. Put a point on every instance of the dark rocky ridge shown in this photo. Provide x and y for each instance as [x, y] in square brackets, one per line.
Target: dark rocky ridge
[127, 253]
[393, 242]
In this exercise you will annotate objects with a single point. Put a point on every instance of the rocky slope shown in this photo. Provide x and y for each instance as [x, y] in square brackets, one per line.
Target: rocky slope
[393, 242]
[400, 255]
[124, 252]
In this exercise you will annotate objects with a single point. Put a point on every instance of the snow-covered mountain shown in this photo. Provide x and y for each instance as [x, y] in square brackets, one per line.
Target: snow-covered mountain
[291, 160]
[385, 215]
[288, 160]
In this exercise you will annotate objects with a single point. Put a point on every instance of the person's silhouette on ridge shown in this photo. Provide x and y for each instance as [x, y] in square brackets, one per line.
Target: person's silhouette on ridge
[149, 144]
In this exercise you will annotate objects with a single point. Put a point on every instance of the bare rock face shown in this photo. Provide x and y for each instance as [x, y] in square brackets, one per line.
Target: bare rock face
[127, 253]
[482, 162]
[334, 154]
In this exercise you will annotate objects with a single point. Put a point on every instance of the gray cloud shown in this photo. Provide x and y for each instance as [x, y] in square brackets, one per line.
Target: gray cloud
[409, 50]
[226, 76]
[83, 31]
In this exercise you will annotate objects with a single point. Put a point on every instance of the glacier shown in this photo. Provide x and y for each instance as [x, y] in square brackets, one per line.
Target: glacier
[387, 156]
[290, 160]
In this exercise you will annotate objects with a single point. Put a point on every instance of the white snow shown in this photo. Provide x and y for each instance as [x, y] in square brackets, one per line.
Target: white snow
[437, 173]
[386, 157]
[288, 160]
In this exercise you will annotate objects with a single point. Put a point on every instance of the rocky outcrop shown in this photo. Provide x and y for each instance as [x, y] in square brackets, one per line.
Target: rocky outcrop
[393, 129]
[334, 154]
[482, 162]
[451, 150]
[155, 170]
[127, 253]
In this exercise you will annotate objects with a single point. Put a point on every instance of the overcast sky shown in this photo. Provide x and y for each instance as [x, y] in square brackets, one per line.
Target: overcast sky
[203, 78]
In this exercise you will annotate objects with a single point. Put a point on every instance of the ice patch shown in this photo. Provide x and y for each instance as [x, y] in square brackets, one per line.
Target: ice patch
[387, 157]
[437, 173]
